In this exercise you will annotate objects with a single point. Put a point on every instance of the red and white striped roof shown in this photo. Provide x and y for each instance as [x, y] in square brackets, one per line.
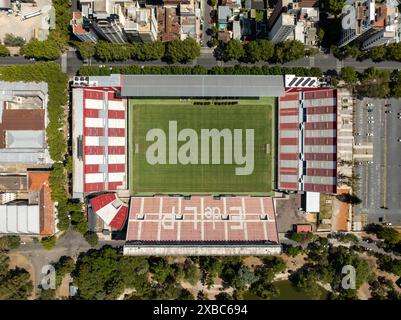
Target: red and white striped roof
[111, 210]
[307, 153]
[105, 142]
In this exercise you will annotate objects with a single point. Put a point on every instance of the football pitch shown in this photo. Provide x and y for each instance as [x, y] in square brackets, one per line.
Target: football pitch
[169, 154]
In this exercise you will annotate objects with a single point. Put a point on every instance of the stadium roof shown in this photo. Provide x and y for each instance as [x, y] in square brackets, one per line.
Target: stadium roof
[201, 86]
[202, 218]
[111, 210]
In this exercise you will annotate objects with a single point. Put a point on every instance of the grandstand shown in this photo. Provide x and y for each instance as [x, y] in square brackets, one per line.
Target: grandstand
[201, 225]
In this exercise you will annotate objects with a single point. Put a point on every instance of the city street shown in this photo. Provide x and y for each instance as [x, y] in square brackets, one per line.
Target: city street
[206, 59]
[205, 21]
[379, 185]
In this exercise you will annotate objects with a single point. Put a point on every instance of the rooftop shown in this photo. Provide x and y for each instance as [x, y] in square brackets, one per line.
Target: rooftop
[201, 86]
[202, 219]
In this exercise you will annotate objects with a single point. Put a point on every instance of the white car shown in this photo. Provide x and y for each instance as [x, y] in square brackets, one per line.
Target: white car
[369, 134]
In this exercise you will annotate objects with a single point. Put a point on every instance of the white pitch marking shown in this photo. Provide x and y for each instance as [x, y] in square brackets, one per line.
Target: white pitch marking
[160, 218]
[202, 226]
[243, 214]
[225, 222]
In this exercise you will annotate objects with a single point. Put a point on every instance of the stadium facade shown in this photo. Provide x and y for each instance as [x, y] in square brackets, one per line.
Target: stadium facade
[201, 224]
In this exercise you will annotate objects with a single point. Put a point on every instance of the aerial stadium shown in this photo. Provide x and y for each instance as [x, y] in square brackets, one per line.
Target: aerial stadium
[190, 160]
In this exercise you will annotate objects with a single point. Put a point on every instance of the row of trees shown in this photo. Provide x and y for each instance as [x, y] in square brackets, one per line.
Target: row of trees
[106, 273]
[236, 70]
[260, 50]
[391, 52]
[173, 51]
[373, 82]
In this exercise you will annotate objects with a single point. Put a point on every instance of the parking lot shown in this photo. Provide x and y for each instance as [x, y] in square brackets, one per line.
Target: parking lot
[377, 124]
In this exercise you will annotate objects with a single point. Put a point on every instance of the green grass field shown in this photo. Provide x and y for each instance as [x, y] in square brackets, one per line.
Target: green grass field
[146, 114]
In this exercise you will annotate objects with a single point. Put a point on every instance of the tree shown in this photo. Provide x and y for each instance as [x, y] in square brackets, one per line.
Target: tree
[224, 296]
[47, 294]
[13, 41]
[292, 251]
[374, 83]
[334, 6]
[253, 52]
[64, 266]
[4, 51]
[78, 219]
[133, 271]
[42, 50]
[97, 275]
[349, 75]
[300, 237]
[91, 238]
[349, 198]
[289, 50]
[10, 242]
[4, 263]
[161, 271]
[351, 51]
[16, 285]
[213, 3]
[49, 243]
[182, 51]
[378, 53]
[234, 50]
[149, 51]
[394, 52]
[86, 49]
[266, 48]
[320, 34]
[395, 84]
[192, 273]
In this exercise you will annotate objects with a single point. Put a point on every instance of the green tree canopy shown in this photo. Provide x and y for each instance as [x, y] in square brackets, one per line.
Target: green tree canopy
[378, 53]
[4, 51]
[49, 243]
[13, 41]
[91, 238]
[41, 50]
[334, 6]
[289, 50]
[234, 50]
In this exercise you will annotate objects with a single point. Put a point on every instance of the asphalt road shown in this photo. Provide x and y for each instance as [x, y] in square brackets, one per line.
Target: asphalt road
[205, 14]
[324, 62]
[71, 244]
[380, 183]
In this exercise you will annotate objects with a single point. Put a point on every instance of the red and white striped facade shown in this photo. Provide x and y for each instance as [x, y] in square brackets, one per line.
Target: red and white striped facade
[307, 145]
[104, 140]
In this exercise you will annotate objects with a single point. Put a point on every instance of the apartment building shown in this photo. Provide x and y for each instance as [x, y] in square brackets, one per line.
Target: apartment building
[117, 21]
[283, 28]
[294, 20]
[371, 24]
